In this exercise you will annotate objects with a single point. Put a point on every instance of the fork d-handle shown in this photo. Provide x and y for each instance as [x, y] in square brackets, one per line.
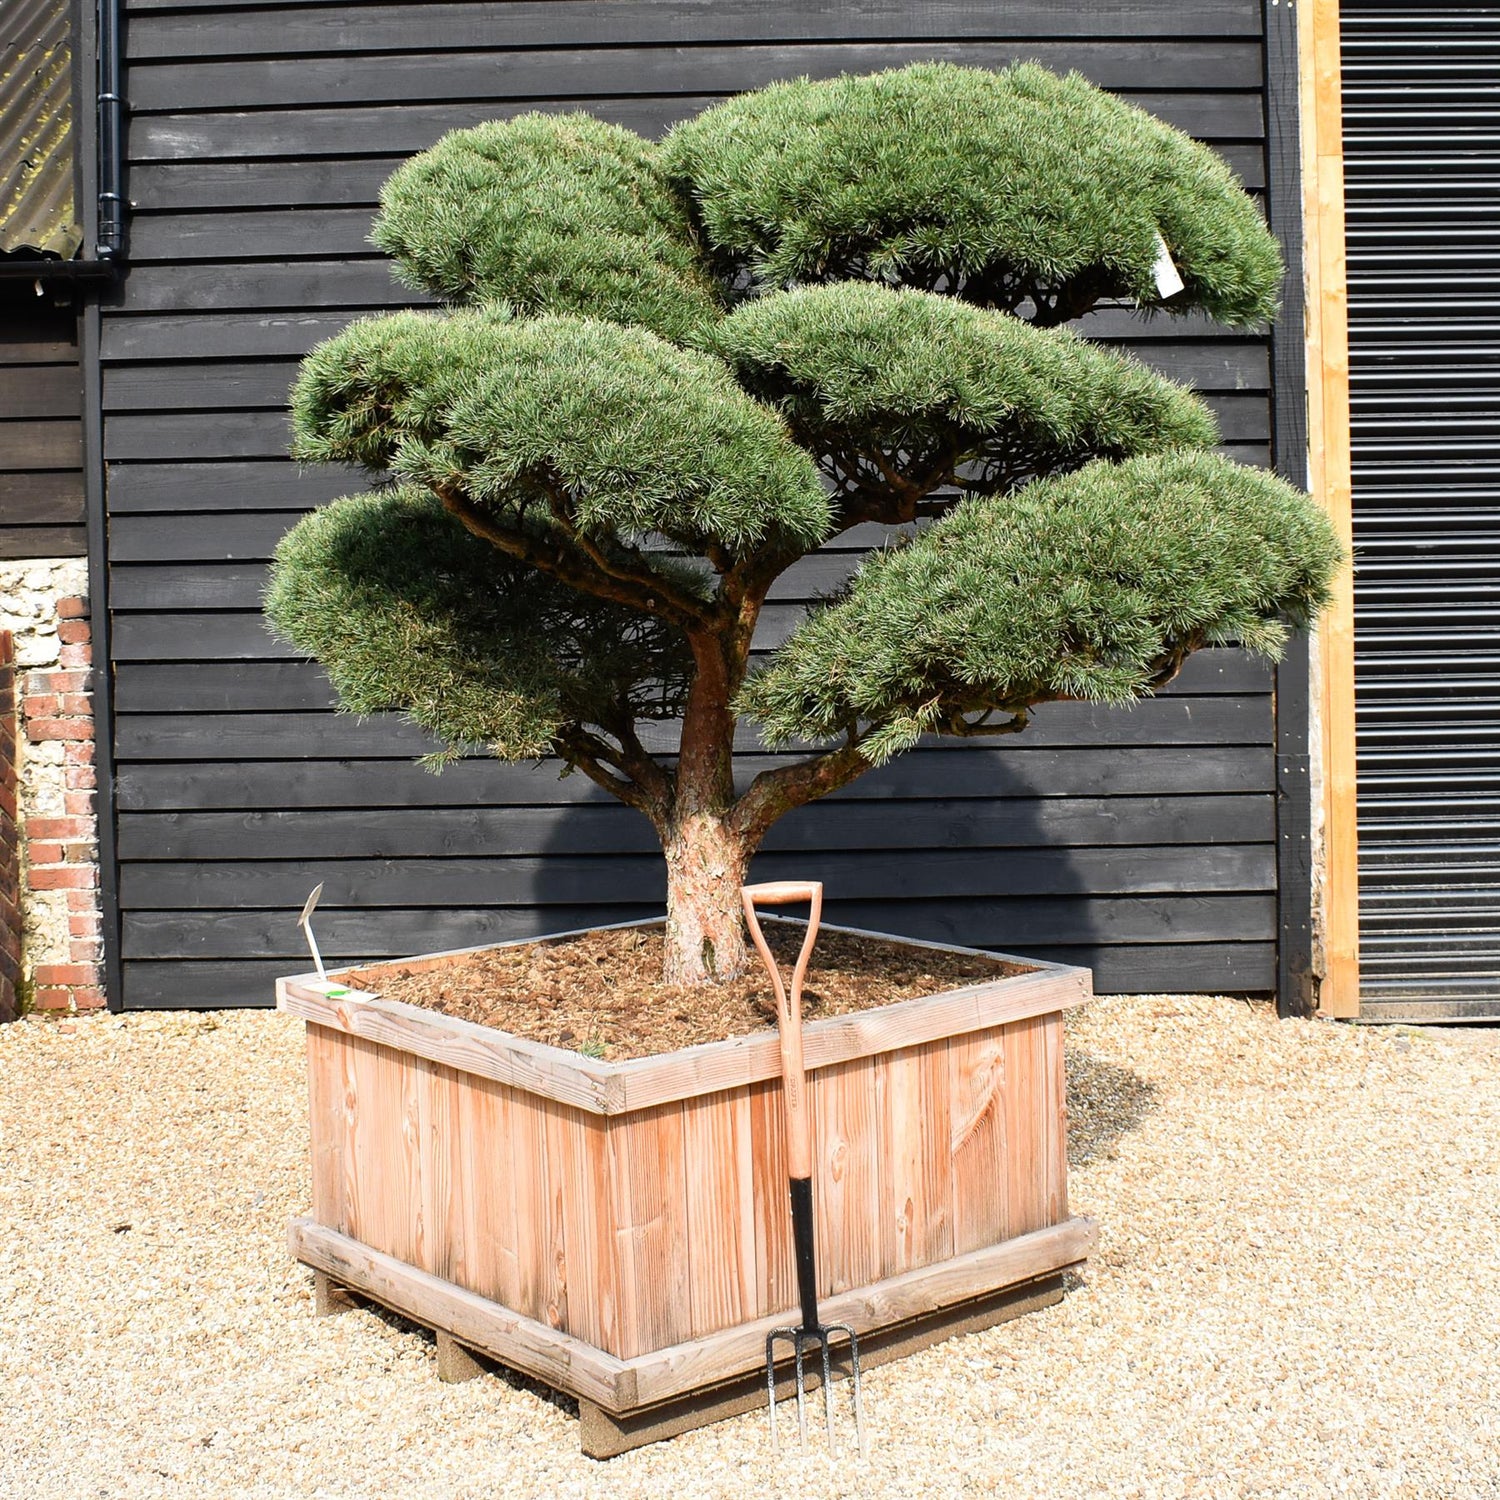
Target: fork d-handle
[789, 1012]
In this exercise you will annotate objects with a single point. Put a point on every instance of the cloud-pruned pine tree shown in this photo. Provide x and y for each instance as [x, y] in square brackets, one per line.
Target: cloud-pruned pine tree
[667, 372]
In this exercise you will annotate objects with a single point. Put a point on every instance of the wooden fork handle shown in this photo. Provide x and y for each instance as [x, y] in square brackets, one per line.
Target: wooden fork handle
[789, 1008]
[782, 892]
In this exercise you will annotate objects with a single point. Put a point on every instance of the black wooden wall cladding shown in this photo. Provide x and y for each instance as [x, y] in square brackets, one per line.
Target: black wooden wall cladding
[1142, 843]
[41, 435]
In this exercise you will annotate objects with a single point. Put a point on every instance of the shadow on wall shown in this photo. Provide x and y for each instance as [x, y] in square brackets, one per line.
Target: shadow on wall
[946, 844]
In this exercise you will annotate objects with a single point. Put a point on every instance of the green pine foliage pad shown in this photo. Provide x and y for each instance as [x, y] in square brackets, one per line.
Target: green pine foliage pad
[666, 373]
[921, 380]
[552, 213]
[406, 611]
[1090, 585]
[629, 434]
[1002, 187]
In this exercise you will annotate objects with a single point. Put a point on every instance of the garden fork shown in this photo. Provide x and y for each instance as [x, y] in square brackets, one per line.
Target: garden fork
[799, 1164]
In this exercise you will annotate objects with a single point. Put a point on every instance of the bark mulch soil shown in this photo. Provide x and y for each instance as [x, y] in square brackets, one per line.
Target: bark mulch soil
[601, 993]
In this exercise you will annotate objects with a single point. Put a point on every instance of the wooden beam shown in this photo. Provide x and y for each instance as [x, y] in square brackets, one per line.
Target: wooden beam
[1330, 481]
[569, 1364]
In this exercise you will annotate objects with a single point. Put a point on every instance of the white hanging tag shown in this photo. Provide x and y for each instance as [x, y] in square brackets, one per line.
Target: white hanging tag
[1168, 281]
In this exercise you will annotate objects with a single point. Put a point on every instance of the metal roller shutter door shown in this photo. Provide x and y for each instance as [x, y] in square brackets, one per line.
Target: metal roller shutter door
[1422, 163]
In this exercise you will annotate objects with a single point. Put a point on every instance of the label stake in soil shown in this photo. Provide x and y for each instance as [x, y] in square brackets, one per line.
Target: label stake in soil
[305, 923]
[799, 1164]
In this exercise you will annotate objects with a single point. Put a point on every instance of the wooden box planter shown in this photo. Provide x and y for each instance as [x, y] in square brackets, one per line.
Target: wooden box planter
[620, 1230]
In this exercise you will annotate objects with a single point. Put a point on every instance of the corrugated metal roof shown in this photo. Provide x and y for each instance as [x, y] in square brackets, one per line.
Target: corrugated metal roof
[38, 211]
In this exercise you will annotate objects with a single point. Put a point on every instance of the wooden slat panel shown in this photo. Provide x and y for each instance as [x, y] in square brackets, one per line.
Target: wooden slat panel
[916, 1160]
[587, 1294]
[208, 338]
[650, 1209]
[609, 829]
[1214, 967]
[228, 486]
[521, 1342]
[315, 132]
[1054, 1117]
[313, 28]
[243, 635]
[484, 1182]
[1016, 771]
[1023, 1179]
[568, 1364]
[423, 77]
[846, 1176]
[537, 1213]
[719, 1163]
[41, 499]
[348, 182]
[632, 1086]
[242, 386]
[775, 1268]
[440, 1228]
[41, 436]
[42, 541]
[41, 445]
[328, 1127]
[1185, 721]
[978, 1142]
[382, 1168]
[558, 878]
[35, 390]
[204, 385]
[355, 935]
[291, 686]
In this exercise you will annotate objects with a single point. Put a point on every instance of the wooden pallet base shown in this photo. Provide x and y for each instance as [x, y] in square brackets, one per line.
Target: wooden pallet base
[603, 1434]
[895, 1318]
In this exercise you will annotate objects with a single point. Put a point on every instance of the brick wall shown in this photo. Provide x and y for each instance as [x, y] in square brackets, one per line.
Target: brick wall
[42, 604]
[62, 851]
[10, 839]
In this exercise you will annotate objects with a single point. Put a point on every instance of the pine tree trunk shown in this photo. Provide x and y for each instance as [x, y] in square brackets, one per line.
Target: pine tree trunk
[707, 859]
[706, 866]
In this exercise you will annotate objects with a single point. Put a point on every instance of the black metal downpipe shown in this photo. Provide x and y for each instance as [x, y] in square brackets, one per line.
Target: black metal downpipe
[109, 234]
[111, 228]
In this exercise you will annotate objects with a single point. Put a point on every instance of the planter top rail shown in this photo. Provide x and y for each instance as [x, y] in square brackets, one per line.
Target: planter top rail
[613, 1088]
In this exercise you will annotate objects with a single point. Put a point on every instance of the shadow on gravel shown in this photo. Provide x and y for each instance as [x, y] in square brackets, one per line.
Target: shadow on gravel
[1105, 1102]
[516, 1381]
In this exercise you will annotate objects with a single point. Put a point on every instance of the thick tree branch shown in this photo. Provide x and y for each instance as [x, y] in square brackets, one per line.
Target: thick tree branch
[963, 728]
[637, 570]
[653, 595]
[638, 763]
[594, 756]
[776, 792]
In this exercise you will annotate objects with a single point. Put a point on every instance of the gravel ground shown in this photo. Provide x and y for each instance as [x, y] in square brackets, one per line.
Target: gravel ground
[1296, 1291]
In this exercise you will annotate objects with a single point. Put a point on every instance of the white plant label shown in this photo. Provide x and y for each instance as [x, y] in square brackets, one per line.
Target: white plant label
[305, 923]
[1168, 281]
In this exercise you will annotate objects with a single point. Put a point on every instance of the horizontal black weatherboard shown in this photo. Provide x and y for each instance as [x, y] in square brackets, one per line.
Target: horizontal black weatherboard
[1138, 842]
[41, 431]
